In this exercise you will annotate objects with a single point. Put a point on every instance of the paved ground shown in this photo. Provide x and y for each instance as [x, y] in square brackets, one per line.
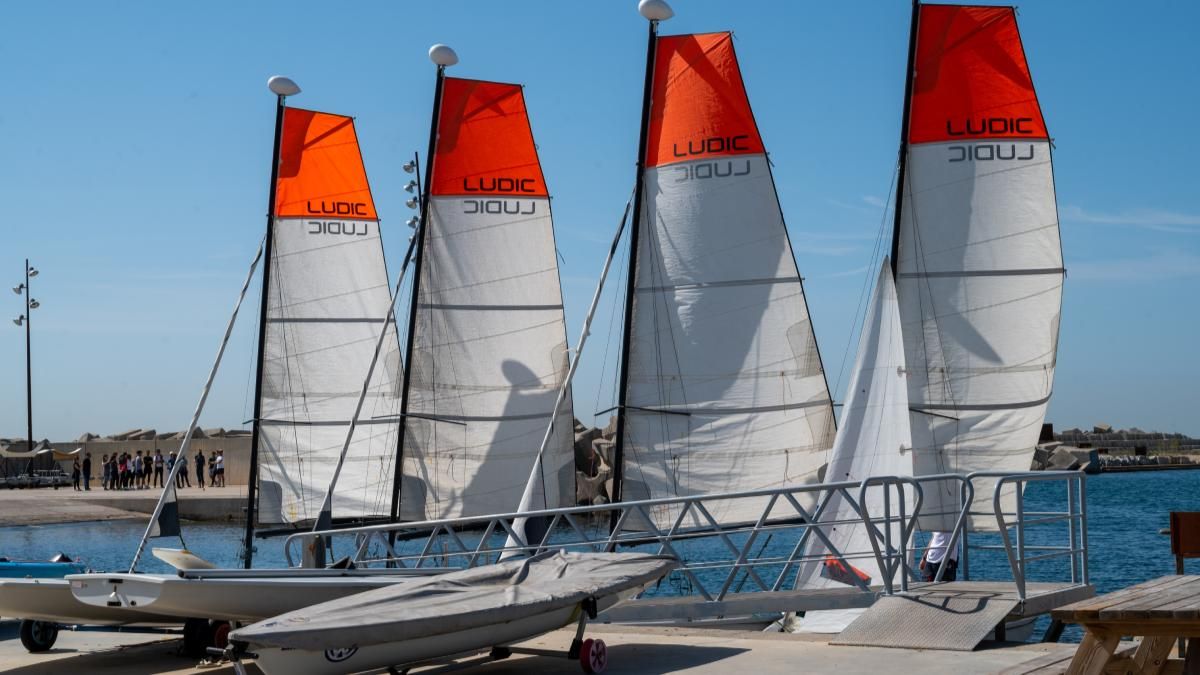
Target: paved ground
[44, 506]
[641, 650]
[93, 651]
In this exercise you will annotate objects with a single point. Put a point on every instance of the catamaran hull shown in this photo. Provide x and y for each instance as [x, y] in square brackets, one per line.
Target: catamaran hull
[232, 599]
[352, 659]
[51, 600]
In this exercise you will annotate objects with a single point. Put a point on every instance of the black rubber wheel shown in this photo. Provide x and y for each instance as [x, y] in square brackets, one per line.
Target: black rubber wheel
[197, 636]
[38, 636]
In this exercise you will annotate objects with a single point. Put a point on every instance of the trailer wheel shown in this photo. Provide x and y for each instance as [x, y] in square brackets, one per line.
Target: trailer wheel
[38, 636]
[197, 636]
[593, 656]
[220, 634]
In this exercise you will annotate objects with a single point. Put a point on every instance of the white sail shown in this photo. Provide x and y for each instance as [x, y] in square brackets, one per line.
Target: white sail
[725, 387]
[979, 263]
[489, 352]
[873, 439]
[327, 296]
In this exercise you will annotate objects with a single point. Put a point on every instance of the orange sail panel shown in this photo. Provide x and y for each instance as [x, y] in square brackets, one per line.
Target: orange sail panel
[700, 108]
[971, 80]
[485, 145]
[321, 170]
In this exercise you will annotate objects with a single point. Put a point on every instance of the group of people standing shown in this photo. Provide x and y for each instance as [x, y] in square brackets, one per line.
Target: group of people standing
[215, 464]
[138, 471]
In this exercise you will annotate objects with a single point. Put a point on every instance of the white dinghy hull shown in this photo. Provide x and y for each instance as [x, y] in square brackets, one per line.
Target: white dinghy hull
[51, 600]
[245, 598]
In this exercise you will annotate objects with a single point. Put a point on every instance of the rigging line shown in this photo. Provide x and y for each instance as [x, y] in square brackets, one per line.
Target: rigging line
[169, 489]
[872, 272]
[617, 297]
[246, 412]
[538, 471]
[324, 518]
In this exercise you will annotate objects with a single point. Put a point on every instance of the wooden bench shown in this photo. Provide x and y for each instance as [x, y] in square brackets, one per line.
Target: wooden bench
[1159, 611]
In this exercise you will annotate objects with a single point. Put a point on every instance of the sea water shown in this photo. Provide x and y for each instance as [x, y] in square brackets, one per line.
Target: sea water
[1126, 511]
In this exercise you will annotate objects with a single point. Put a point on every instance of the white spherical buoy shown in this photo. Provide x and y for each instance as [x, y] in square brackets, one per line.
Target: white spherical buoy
[442, 55]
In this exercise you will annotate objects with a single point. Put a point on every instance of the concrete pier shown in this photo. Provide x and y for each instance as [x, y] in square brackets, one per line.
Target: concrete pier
[630, 650]
[45, 506]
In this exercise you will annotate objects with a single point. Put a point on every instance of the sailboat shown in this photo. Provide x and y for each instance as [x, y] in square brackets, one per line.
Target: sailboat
[325, 296]
[721, 387]
[967, 315]
[976, 252]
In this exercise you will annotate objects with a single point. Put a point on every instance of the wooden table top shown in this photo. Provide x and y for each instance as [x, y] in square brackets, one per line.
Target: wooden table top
[1171, 598]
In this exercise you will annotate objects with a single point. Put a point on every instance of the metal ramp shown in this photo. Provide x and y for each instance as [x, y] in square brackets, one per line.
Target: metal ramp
[954, 616]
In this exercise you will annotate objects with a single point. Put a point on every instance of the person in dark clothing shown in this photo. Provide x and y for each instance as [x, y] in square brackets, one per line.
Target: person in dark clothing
[87, 471]
[75, 474]
[158, 468]
[200, 468]
[181, 479]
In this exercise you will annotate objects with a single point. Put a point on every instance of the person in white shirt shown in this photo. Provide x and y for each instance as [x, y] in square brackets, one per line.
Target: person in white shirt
[936, 554]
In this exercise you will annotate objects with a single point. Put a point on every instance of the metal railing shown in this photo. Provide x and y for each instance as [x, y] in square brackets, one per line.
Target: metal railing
[1019, 522]
[720, 559]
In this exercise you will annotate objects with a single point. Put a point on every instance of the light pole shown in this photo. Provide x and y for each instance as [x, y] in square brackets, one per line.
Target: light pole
[30, 305]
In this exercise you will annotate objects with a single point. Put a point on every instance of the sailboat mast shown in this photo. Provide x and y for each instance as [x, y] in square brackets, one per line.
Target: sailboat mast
[252, 481]
[631, 280]
[421, 234]
[908, 85]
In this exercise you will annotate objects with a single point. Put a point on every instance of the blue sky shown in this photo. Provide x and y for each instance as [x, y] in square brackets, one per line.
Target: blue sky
[135, 148]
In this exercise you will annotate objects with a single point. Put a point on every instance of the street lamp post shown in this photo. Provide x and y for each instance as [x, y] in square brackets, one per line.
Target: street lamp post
[25, 319]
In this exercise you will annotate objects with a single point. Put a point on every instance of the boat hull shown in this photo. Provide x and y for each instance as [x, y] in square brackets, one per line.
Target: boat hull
[352, 659]
[241, 599]
[13, 569]
[51, 600]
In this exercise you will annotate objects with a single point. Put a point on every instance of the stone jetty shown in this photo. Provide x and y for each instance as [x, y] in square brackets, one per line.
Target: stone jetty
[1106, 449]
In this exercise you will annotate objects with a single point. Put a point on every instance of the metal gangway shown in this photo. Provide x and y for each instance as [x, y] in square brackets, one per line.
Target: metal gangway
[751, 568]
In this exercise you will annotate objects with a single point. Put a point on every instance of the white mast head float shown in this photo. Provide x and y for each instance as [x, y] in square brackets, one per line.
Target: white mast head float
[442, 55]
[655, 10]
[283, 86]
